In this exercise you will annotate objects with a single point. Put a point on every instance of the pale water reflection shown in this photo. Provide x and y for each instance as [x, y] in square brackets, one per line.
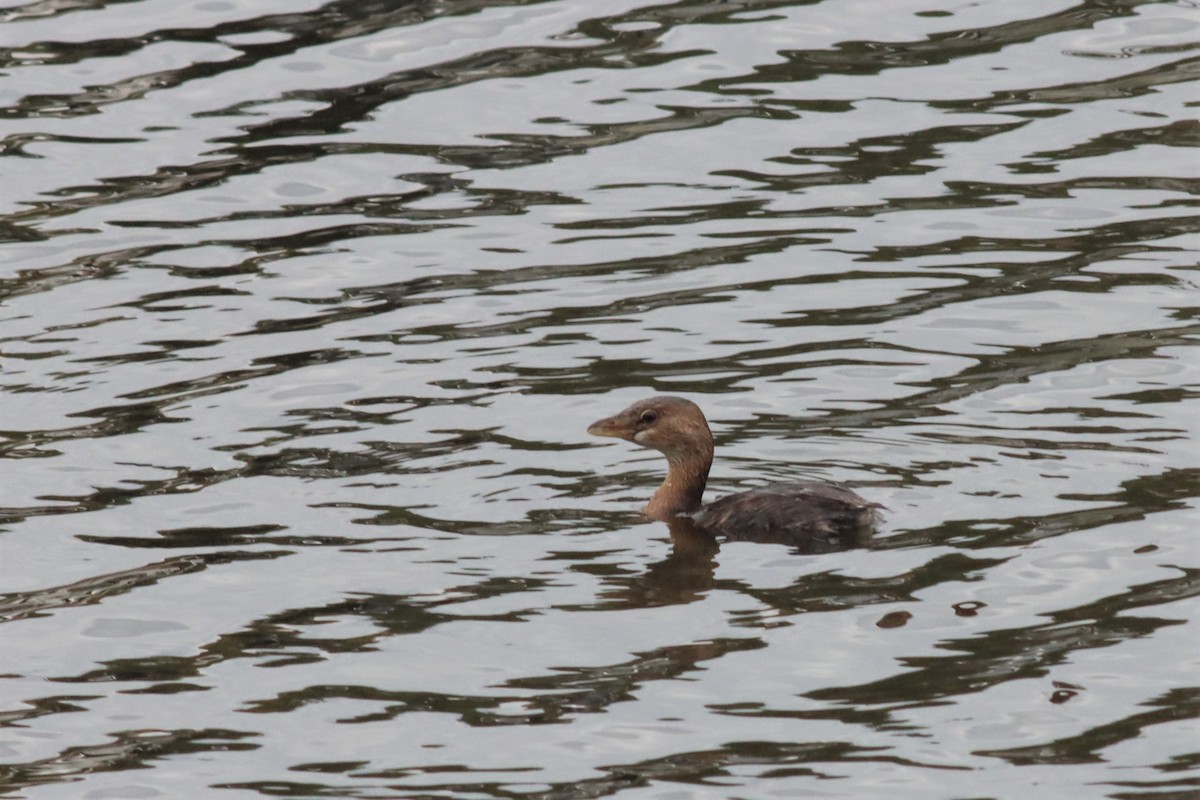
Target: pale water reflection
[304, 311]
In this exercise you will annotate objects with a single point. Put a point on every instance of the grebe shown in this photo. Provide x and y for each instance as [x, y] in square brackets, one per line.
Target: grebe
[809, 514]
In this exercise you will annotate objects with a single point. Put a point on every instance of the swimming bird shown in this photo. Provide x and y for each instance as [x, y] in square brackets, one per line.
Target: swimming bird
[810, 514]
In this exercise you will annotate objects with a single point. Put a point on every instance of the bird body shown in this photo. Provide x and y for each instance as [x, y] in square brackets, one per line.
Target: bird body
[811, 514]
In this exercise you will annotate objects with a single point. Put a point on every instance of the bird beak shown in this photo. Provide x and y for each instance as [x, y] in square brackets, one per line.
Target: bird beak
[610, 426]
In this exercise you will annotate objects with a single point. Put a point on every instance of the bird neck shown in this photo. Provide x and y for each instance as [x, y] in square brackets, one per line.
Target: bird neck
[681, 492]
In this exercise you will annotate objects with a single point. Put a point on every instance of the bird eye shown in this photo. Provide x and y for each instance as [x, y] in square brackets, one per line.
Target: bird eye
[649, 416]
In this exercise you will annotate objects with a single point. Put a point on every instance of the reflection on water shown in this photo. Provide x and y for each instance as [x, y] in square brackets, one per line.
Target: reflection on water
[304, 311]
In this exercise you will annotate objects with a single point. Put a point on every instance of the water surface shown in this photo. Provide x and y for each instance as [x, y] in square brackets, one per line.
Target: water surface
[304, 310]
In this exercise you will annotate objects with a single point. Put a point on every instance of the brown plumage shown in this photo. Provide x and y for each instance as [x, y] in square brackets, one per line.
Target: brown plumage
[809, 514]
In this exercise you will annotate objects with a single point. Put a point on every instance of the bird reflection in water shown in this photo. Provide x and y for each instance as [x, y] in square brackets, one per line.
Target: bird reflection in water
[688, 572]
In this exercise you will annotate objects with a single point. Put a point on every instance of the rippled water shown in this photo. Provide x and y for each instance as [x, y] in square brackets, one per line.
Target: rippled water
[304, 310]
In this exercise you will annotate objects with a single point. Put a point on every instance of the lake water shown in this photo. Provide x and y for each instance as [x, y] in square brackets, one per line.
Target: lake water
[305, 309]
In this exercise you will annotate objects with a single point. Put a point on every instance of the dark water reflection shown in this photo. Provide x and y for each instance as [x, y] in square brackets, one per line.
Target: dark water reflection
[304, 311]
